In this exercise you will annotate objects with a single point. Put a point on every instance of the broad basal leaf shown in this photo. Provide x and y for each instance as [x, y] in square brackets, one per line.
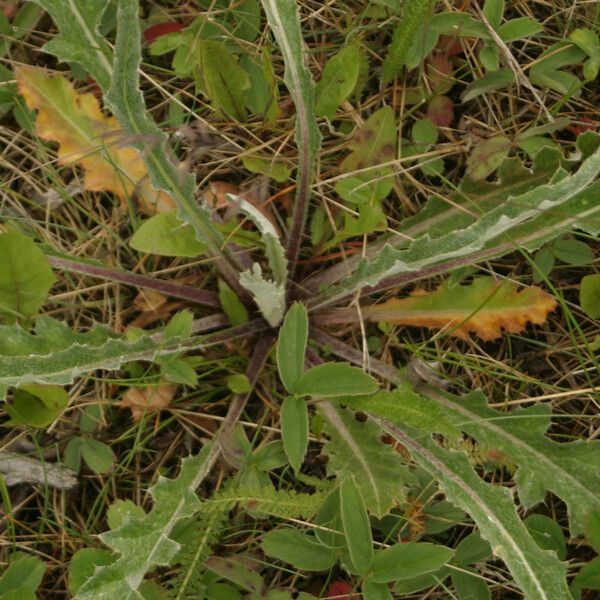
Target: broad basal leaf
[373, 144]
[142, 543]
[89, 139]
[486, 307]
[539, 573]
[356, 450]
[25, 276]
[220, 77]
[54, 354]
[284, 22]
[338, 80]
[569, 470]
[164, 234]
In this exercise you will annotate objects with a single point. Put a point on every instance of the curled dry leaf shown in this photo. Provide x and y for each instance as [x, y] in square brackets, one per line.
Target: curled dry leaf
[142, 401]
[89, 139]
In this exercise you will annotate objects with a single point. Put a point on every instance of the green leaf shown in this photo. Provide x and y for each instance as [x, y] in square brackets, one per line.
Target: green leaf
[539, 574]
[221, 78]
[486, 157]
[404, 36]
[592, 529]
[54, 354]
[405, 561]
[422, 582]
[72, 456]
[121, 511]
[291, 346]
[294, 430]
[425, 131]
[355, 450]
[180, 325]
[519, 28]
[232, 306]
[142, 543]
[335, 379]
[97, 455]
[268, 295]
[373, 144]
[24, 573]
[573, 252]
[589, 296]
[338, 80]
[532, 217]
[470, 586]
[494, 11]
[83, 564]
[569, 470]
[544, 262]
[176, 370]
[165, 235]
[372, 590]
[276, 170]
[472, 549]
[588, 577]
[284, 21]
[357, 528]
[547, 533]
[238, 383]
[37, 405]
[79, 39]
[25, 276]
[126, 102]
[489, 56]
[490, 82]
[298, 549]
[236, 572]
[403, 405]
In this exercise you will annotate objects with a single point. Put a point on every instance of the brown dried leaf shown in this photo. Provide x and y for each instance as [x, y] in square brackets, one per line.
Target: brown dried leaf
[142, 401]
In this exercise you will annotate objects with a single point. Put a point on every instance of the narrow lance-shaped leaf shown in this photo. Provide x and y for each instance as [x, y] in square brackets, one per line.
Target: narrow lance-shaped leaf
[569, 470]
[54, 354]
[284, 22]
[492, 230]
[539, 573]
[126, 102]
[291, 346]
[468, 203]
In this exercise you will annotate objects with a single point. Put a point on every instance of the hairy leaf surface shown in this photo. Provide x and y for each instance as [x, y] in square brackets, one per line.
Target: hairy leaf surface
[569, 470]
[145, 542]
[539, 573]
[54, 354]
[355, 450]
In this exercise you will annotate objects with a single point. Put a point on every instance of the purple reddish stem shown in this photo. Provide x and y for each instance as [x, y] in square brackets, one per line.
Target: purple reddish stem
[185, 292]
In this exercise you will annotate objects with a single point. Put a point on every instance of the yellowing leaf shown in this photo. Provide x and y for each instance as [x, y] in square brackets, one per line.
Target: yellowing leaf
[89, 139]
[486, 307]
